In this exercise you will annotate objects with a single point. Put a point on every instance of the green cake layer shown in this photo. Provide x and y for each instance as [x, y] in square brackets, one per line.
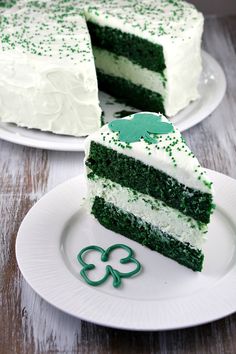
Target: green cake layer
[131, 94]
[138, 50]
[7, 3]
[136, 229]
[134, 174]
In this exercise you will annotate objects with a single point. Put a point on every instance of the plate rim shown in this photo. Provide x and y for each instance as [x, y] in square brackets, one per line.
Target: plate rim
[17, 138]
[103, 322]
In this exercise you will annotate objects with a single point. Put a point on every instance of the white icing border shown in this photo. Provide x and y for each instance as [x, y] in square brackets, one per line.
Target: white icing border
[169, 220]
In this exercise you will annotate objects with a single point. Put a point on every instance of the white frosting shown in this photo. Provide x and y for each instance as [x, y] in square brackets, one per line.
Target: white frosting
[187, 169]
[56, 92]
[121, 67]
[176, 26]
[150, 210]
[183, 68]
[47, 96]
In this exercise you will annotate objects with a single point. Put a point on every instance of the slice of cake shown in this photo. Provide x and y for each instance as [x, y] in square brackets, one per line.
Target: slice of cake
[148, 53]
[146, 184]
[47, 72]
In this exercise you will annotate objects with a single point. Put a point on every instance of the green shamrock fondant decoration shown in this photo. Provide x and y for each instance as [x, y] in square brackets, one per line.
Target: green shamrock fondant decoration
[110, 271]
[140, 126]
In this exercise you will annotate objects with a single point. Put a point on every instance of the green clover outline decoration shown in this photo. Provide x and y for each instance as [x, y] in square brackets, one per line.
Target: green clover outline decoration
[110, 271]
[141, 125]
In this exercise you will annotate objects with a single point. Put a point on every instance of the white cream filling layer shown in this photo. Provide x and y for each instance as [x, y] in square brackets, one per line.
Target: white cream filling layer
[177, 85]
[150, 210]
[121, 67]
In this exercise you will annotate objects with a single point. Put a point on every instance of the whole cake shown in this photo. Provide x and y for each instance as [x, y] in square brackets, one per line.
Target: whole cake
[146, 184]
[146, 52]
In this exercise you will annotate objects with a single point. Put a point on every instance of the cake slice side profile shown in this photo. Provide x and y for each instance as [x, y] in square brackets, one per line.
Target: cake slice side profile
[146, 184]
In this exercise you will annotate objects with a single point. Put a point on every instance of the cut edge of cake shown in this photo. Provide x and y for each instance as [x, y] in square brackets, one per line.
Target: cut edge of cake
[161, 40]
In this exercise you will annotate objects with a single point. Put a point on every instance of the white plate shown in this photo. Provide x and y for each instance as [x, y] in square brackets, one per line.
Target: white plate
[212, 89]
[165, 295]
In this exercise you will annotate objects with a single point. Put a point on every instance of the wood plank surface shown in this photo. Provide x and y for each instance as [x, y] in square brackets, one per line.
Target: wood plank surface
[27, 323]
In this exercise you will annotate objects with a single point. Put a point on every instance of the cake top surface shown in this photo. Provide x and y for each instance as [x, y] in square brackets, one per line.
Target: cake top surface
[156, 20]
[57, 28]
[53, 28]
[161, 146]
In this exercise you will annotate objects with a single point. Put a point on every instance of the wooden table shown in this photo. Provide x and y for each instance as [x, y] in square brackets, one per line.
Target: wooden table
[30, 325]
